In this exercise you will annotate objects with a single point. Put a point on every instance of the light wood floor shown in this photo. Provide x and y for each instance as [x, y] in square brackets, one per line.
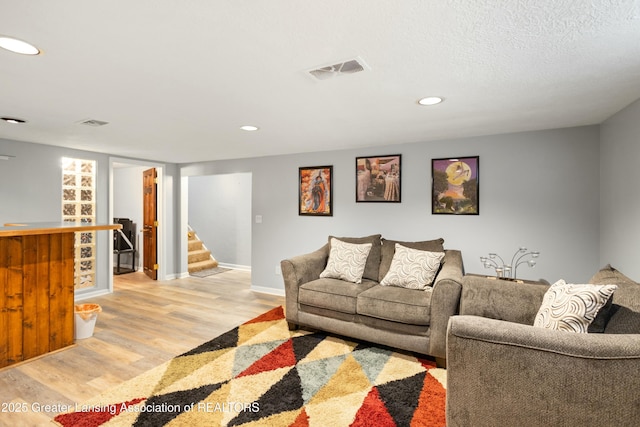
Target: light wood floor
[143, 324]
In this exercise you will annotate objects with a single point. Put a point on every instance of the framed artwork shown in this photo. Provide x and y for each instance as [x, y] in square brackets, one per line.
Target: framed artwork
[315, 190]
[378, 178]
[454, 186]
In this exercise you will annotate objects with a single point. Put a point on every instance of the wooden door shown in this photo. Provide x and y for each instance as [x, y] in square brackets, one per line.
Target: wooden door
[150, 223]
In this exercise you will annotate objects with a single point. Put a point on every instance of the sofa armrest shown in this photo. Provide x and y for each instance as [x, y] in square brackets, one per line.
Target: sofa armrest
[503, 373]
[501, 299]
[445, 300]
[297, 271]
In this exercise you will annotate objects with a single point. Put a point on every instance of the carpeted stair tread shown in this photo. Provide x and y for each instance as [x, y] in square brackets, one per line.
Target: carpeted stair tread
[199, 255]
[202, 265]
[195, 245]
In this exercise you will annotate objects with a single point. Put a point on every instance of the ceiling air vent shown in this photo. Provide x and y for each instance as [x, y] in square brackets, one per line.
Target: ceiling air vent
[340, 69]
[94, 123]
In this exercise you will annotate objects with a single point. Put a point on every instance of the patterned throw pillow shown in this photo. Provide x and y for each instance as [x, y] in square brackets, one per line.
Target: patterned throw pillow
[346, 261]
[412, 268]
[570, 307]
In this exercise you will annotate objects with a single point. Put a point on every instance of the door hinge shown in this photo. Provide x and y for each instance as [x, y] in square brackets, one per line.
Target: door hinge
[155, 223]
[155, 180]
[155, 266]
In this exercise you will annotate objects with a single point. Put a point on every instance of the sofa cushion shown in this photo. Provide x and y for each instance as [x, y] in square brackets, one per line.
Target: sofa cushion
[410, 306]
[332, 294]
[610, 275]
[624, 316]
[389, 247]
[412, 268]
[346, 261]
[373, 260]
[571, 307]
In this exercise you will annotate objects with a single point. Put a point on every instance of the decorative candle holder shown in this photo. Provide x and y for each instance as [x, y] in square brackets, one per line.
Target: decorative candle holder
[508, 271]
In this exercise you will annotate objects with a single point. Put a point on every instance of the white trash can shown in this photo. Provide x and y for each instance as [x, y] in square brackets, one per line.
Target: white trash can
[85, 320]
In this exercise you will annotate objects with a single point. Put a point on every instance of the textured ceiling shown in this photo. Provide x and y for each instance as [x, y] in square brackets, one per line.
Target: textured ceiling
[176, 79]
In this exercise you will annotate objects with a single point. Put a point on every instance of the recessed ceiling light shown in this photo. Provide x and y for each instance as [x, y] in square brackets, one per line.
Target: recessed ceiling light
[18, 46]
[430, 100]
[249, 128]
[13, 120]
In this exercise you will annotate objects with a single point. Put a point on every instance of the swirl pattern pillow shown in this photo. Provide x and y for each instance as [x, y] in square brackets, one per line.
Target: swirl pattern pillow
[346, 261]
[570, 307]
[412, 268]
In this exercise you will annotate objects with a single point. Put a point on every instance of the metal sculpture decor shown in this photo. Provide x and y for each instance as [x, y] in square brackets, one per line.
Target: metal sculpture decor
[509, 271]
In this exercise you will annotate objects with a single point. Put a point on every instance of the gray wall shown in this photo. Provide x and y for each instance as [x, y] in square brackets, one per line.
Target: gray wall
[220, 213]
[31, 191]
[564, 192]
[537, 189]
[620, 192]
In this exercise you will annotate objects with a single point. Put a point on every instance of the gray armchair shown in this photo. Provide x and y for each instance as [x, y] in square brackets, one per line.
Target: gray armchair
[506, 372]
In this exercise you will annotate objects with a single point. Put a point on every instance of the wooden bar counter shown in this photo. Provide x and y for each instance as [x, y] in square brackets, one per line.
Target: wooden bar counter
[37, 288]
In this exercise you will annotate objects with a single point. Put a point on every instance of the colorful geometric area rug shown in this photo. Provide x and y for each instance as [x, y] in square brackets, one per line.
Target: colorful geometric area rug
[262, 374]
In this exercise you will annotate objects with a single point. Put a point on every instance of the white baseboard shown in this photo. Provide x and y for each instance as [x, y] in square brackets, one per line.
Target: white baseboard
[266, 290]
[93, 294]
[235, 266]
[182, 275]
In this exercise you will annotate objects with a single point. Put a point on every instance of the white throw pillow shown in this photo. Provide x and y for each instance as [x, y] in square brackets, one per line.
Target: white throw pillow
[412, 268]
[571, 307]
[346, 261]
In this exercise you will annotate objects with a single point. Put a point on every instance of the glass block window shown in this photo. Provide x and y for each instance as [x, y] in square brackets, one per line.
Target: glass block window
[79, 205]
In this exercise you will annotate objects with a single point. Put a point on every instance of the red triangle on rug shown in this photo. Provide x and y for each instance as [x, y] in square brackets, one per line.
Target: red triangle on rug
[94, 416]
[274, 314]
[431, 404]
[427, 364]
[302, 420]
[280, 357]
[373, 412]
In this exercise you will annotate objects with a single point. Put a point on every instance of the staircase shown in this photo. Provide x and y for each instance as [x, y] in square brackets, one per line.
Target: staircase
[200, 257]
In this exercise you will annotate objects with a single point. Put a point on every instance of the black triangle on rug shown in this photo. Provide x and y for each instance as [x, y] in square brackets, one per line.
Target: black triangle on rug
[262, 374]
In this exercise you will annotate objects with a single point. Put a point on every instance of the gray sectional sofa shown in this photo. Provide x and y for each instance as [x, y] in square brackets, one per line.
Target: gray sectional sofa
[409, 319]
[501, 370]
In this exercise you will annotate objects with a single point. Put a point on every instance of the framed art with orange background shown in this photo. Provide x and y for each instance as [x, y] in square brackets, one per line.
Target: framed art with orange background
[315, 190]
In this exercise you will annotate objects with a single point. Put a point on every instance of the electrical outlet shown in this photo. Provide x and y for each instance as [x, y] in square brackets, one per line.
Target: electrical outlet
[278, 270]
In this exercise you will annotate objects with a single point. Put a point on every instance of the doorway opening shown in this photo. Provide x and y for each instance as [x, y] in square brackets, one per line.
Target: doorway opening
[219, 211]
[126, 200]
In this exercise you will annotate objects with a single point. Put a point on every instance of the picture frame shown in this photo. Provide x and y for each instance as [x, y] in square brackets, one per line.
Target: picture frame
[455, 188]
[315, 191]
[379, 179]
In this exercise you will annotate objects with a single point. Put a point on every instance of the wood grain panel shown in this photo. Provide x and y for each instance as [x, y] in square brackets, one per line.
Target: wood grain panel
[42, 294]
[4, 329]
[30, 297]
[67, 294]
[55, 291]
[36, 295]
[14, 299]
